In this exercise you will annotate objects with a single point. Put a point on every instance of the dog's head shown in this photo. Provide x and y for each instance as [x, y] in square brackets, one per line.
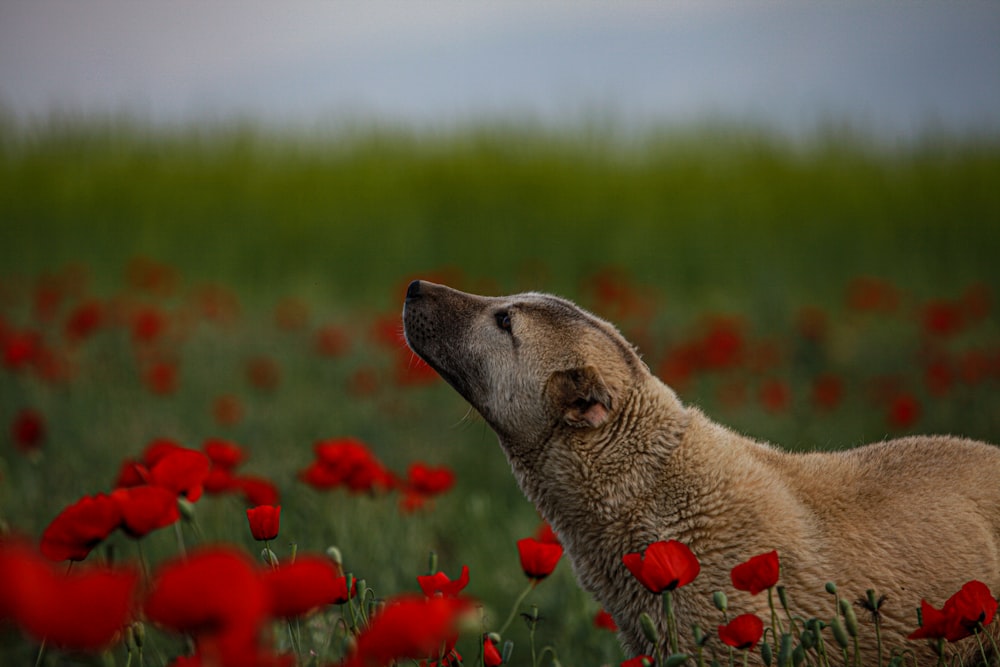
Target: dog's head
[530, 364]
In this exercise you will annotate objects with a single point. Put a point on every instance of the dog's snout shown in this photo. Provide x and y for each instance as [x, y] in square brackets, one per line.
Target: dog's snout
[413, 290]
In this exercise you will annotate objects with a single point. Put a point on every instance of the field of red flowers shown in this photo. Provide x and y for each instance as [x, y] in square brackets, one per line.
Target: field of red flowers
[283, 485]
[216, 448]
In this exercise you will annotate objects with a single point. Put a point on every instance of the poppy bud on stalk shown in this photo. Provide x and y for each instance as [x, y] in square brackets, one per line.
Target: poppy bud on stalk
[333, 553]
[720, 601]
[648, 628]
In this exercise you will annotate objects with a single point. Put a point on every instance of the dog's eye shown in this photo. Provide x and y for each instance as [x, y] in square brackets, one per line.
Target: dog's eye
[503, 320]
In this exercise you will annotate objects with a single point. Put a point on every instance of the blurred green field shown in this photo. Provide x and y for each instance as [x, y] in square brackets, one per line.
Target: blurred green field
[685, 226]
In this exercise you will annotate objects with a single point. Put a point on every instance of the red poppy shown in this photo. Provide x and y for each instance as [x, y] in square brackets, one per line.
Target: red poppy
[161, 377]
[757, 574]
[214, 594]
[604, 621]
[28, 430]
[429, 480]
[332, 341]
[82, 610]
[85, 319]
[827, 391]
[146, 508]
[743, 632]
[664, 566]
[220, 480]
[538, 559]
[309, 582]
[20, 349]
[409, 627]
[775, 395]
[223, 453]
[904, 411]
[263, 373]
[871, 294]
[943, 318]
[939, 376]
[439, 583]
[347, 462]
[80, 527]
[546, 534]
[257, 490]
[227, 410]
[961, 616]
[264, 521]
[148, 324]
[491, 656]
[182, 471]
[639, 661]
[291, 314]
[723, 346]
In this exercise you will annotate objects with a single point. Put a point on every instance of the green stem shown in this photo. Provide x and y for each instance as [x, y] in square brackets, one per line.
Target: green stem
[775, 623]
[41, 652]
[668, 608]
[180, 539]
[513, 610]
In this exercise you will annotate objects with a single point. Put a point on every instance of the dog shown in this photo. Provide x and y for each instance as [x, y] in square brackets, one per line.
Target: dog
[614, 461]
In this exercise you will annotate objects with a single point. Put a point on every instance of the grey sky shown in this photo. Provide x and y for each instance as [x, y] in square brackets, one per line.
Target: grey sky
[896, 67]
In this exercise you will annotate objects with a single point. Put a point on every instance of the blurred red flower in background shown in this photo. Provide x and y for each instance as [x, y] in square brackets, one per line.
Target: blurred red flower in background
[663, 566]
[775, 395]
[827, 391]
[84, 610]
[347, 462]
[146, 508]
[227, 410]
[216, 596]
[332, 341]
[80, 527]
[604, 621]
[757, 574]
[28, 430]
[409, 627]
[904, 411]
[263, 373]
[309, 582]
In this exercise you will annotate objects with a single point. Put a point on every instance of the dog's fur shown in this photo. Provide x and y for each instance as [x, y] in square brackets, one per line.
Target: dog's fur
[614, 461]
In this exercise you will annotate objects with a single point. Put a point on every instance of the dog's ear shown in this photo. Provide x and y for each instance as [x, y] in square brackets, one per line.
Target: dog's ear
[580, 396]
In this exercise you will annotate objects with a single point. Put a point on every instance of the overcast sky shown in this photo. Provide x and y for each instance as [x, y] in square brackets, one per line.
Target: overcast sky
[897, 67]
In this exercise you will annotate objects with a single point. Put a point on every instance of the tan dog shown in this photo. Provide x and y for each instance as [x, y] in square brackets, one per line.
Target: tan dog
[614, 461]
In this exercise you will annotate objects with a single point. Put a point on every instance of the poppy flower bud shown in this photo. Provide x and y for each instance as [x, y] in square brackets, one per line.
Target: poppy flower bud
[648, 628]
[699, 636]
[783, 596]
[785, 649]
[839, 634]
[850, 619]
[139, 633]
[186, 508]
[432, 563]
[268, 557]
[129, 640]
[831, 588]
[333, 553]
[808, 639]
[720, 600]
[676, 660]
[493, 637]
[798, 656]
[508, 650]
[766, 654]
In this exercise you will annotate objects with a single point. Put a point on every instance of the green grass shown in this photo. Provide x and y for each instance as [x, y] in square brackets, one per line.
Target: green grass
[713, 220]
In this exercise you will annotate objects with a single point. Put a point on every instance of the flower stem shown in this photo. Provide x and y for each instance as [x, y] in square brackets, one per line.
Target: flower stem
[513, 610]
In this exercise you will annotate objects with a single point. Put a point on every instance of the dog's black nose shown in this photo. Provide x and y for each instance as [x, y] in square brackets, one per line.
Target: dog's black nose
[413, 291]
